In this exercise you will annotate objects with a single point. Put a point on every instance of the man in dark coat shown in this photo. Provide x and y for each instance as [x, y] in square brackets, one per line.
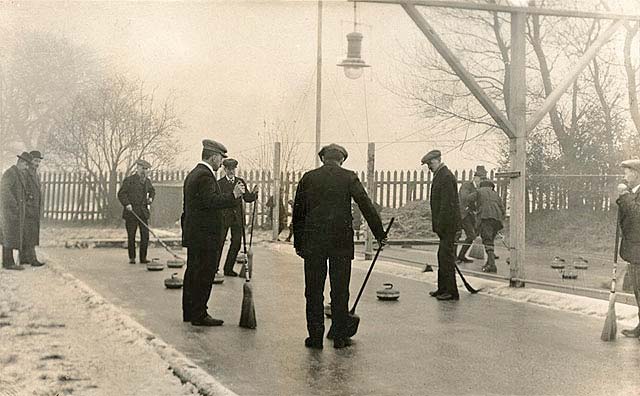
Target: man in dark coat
[446, 223]
[13, 191]
[202, 232]
[33, 209]
[322, 229]
[233, 217]
[136, 194]
[629, 216]
[491, 214]
[468, 211]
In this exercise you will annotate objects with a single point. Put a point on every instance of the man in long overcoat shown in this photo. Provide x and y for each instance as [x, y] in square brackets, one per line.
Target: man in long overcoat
[33, 210]
[202, 232]
[323, 231]
[233, 218]
[446, 223]
[13, 193]
[136, 194]
[468, 209]
[629, 217]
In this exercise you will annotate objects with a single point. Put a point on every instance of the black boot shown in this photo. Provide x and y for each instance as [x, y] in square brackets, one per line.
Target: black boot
[462, 256]
[490, 266]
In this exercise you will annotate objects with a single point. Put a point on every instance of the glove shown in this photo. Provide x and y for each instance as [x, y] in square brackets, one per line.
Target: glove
[129, 208]
[623, 189]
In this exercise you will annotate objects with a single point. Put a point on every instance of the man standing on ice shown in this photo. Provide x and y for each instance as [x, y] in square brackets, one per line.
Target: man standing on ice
[629, 217]
[446, 223]
[323, 232]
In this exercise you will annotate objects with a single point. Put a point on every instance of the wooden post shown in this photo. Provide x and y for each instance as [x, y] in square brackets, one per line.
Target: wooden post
[276, 188]
[319, 85]
[518, 146]
[371, 190]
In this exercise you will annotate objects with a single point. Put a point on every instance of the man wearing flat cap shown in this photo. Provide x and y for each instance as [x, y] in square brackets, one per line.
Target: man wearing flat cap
[629, 222]
[136, 194]
[233, 218]
[33, 209]
[323, 231]
[13, 191]
[468, 210]
[202, 231]
[446, 223]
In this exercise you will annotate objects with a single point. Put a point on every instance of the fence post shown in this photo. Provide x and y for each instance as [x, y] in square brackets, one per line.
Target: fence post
[276, 192]
[371, 156]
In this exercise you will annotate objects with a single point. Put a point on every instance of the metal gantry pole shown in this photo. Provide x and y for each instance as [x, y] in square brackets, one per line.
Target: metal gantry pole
[371, 190]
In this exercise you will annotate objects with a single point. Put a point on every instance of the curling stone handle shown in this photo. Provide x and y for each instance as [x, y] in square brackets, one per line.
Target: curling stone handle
[388, 285]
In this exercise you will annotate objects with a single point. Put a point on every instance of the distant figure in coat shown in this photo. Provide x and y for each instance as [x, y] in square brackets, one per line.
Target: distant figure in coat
[33, 210]
[491, 213]
[629, 215]
[446, 223]
[202, 231]
[13, 195]
[233, 217]
[468, 209]
[323, 231]
[136, 194]
[282, 212]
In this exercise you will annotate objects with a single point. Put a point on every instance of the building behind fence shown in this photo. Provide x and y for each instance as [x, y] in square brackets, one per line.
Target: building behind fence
[81, 197]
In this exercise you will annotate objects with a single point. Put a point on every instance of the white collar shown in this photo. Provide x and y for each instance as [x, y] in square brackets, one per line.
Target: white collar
[231, 179]
[208, 166]
[635, 189]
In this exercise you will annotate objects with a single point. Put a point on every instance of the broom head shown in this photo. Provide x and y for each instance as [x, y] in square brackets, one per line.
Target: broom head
[248, 314]
[477, 250]
[610, 327]
[243, 272]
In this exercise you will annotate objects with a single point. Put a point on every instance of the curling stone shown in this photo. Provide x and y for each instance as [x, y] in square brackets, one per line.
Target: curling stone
[242, 258]
[155, 265]
[327, 310]
[218, 278]
[388, 293]
[581, 264]
[558, 263]
[175, 263]
[174, 282]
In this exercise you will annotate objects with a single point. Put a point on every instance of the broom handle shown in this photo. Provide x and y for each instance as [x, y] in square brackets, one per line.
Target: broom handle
[157, 237]
[253, 216]
[616, 252]
[353, 310]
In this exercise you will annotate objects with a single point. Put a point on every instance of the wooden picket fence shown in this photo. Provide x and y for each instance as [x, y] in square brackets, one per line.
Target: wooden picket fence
[83, 197]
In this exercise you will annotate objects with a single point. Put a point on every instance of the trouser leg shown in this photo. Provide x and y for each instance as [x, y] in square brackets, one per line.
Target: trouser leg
[234, 247]
[339, 276]
[446, 264]
[315, 274]
[144, 239]
[7, 256]
[131, 226]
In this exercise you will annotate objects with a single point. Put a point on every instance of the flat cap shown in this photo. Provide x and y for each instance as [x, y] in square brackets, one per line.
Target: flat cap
[433, 154]
[230, 163]
[143, 163]
[212, 145]
[631, 164]
[36, 154]
[335, 147]
[26, 157]
[480, 171]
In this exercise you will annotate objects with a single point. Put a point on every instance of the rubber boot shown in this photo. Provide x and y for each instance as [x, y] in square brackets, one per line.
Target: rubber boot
[490, 266]
[462, 256]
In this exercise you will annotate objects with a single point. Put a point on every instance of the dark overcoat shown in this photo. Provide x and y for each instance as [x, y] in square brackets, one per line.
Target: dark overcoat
[136, 192]
[322, 220]
[203, 202]
[445, 206]
[33, 208]
[233, 215]
[13, 197]
[629, 207]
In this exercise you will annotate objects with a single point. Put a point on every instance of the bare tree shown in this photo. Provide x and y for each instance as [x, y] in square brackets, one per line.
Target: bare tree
[289, 138]
[110, 125]
[39, 76]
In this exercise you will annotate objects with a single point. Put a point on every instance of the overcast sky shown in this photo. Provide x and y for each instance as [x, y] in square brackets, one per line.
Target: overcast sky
[234, 65]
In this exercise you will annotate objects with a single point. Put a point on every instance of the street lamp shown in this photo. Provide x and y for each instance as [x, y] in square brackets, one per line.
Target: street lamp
[353, 64]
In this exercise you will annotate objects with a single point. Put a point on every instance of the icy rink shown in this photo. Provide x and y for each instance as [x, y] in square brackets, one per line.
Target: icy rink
[59, 341]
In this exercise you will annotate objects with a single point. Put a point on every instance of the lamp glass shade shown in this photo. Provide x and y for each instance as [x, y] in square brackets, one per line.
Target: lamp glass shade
[353, 72]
